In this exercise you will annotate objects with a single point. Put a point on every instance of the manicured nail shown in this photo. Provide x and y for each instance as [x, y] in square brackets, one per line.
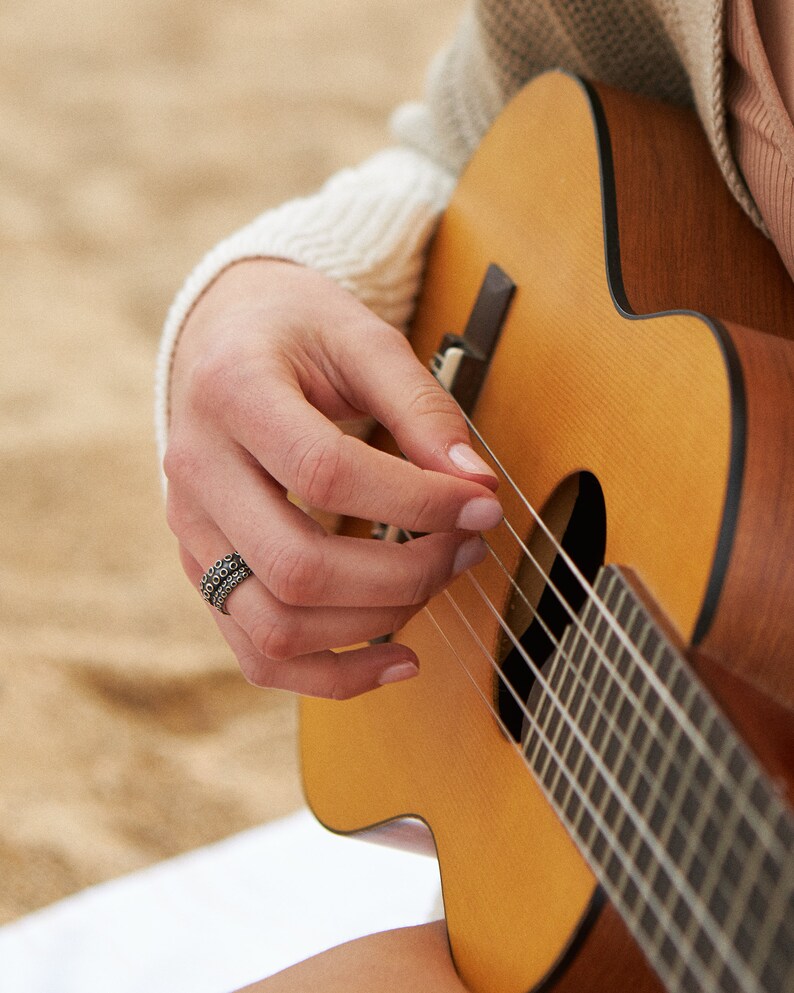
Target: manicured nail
[465, 458]
[397, 672]
[480, 514]
[470, 553]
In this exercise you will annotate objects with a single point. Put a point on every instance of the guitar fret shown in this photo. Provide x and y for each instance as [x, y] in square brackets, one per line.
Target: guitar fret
[638, 785]
[561, 679]
[618, 741]
[759, 948]
[779, 962]
[585, 689]
[681, 912]
[692, 700]
[713, 897]
[642, 729]
[681, 976]
[696, 862]
[677, 798]
[694, 871]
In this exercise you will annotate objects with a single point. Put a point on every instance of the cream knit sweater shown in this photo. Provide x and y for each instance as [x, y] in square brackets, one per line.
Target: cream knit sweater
[369, 226]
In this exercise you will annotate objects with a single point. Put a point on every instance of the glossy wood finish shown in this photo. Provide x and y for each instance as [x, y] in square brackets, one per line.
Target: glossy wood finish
[684, 241]
[645, 405]
[753, 633]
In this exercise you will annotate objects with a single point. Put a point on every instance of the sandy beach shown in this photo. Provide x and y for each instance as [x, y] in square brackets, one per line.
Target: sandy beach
[135, 135]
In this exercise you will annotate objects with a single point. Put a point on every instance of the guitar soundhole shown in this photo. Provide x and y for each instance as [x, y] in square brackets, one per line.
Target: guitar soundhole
[538, 615]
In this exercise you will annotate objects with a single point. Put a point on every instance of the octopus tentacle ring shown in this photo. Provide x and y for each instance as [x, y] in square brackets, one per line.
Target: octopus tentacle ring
[220, 579]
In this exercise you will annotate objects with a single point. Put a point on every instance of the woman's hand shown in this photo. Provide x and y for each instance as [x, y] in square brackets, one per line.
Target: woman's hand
[271, 356]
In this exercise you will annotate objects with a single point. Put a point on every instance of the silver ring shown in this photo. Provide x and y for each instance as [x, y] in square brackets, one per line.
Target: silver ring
[223, 577]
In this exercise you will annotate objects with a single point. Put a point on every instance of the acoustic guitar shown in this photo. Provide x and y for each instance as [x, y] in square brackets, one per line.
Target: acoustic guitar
[600, 744]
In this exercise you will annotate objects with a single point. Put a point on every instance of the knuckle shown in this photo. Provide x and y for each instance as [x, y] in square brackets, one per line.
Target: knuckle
[279, 643]
[424, 511]
[428, 569]
[318, 472]
[191, 567]
[273, 636]
[179, 462]
[398, 617]
[401, 616]
[175, 515]
[180, 519]
[295, 574]
[213, 378]
[423, 585]
[428, 399]
[256, 670]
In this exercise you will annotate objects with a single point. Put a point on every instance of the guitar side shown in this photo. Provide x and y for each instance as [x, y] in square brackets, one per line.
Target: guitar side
[569, 369]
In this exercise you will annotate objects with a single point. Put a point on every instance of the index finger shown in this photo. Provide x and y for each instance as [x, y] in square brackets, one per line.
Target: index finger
[381, 374]
[313, 458]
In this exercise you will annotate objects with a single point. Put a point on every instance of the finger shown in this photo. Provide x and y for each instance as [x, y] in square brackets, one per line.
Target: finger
[335, 675]
[302, 565]
[384, 377]
[327, 469]
[281, 631]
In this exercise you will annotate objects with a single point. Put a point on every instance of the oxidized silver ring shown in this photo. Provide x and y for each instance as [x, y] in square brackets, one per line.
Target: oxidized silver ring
[223, 577]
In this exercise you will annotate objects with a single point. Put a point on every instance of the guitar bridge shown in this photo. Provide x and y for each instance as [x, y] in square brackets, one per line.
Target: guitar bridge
[462, 361]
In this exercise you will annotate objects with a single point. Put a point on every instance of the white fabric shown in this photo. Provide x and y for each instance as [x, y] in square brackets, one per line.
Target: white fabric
[221, 917]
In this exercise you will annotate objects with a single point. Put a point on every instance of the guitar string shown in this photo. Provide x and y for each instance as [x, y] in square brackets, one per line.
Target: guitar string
[562, 813]
[592, 595]
[662, 914]
[763, 830]
[692, 897]
[681, 716]
[771, 843]
[595, 599]
[585, 683]
[699, 909]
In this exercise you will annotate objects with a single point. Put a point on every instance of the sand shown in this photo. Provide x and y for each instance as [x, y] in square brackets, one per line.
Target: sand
[136, 133]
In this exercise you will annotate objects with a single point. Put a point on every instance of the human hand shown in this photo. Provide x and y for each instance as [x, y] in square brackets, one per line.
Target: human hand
[271, 356]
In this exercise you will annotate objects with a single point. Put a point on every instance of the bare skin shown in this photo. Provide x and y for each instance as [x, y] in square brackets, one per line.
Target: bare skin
[272, 355]
[410, 960]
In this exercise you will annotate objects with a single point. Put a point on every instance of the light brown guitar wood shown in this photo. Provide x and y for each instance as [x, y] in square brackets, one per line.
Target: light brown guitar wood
[646, 405]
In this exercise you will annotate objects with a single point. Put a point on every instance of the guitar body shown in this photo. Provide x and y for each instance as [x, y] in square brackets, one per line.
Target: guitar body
[600, 207]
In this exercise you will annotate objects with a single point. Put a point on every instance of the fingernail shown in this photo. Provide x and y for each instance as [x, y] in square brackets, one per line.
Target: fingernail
[465, 458]
[480, 514]
[470, 553]
[396, 673]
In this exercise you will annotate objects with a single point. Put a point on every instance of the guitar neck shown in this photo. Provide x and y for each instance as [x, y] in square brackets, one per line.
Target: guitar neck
[684, 830]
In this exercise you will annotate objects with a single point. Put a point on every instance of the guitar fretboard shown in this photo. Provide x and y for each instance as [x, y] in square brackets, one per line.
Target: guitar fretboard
[684, 830]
